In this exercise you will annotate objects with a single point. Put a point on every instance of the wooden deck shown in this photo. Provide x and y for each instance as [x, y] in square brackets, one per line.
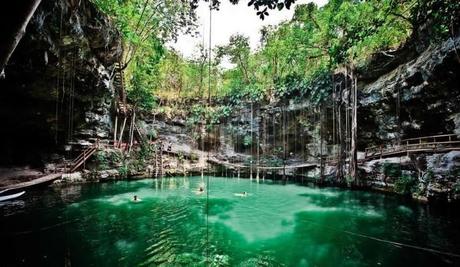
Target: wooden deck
[255, 166]
[426, 144]
[39, 181]
[231, 165]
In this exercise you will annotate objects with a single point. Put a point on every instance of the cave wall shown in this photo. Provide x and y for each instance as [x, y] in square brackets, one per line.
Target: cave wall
[58, 82]
[427, 83]
[423, 93]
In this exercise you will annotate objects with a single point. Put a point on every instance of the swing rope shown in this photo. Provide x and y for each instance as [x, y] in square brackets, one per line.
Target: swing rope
[58, 82]
[209, 93]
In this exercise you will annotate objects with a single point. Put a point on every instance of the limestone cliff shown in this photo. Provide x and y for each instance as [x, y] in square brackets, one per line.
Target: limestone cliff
[58, 82]
[418, 96]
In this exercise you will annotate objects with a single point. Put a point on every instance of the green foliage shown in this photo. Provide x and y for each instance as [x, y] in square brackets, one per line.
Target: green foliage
[210, 115]
[145, 152]
[278, 150]
[271, 161]
[102, 160]
[138, 20]
[297, 57]
[152, 134]
[247, 140]
[295, 60]
[349, 179]
[295, 86]
[429, 176]
[117, 157]
[145, 27]
[144, 71]
[250, 160]
[456, 187]
[391, 170]
[123, 171]
[436, 19]
[238, 51]
[180, 157]
[193, 157]
[405, 184]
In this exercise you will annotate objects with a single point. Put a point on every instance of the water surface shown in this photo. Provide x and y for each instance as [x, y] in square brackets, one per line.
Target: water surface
[275, 225]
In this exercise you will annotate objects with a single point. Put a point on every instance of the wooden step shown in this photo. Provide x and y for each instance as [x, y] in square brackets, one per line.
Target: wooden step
[83, 157]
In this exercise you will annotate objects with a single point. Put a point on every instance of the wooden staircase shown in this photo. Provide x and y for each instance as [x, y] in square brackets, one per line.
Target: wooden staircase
[118, 83]
[83, 157]
[159, 161]
[121, 107]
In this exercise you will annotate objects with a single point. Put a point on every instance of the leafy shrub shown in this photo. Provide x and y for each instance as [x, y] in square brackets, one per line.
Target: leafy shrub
[405, 184]
[456, 187]
[392, 170]
[247, 140]
[272, 161]
[210, 115]
[193, 157]
[102, 160]
[123, 171]
[152, 134]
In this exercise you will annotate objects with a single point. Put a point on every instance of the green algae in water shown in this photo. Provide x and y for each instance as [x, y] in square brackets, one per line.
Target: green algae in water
[275, 225]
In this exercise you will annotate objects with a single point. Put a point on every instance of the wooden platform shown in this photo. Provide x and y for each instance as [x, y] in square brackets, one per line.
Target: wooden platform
[255, 166]
[426, 144]
[42, 180]
[230, 165]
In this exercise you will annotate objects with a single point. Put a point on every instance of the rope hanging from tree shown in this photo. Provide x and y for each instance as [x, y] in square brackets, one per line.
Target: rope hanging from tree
[58, 81]
[209, 95]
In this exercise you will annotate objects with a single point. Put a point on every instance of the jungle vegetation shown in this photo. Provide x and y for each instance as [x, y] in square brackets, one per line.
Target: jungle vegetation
[294, 58]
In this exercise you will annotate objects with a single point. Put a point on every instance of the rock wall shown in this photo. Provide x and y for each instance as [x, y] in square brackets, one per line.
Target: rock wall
[417, 97]
[58, 90]
[58, 82]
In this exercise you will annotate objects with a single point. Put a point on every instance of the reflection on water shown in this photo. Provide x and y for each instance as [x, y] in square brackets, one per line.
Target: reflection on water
[273, 225]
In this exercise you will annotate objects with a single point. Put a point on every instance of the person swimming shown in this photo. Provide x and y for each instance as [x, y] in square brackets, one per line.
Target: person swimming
[136, 199]
[242, 194]
[200, 190]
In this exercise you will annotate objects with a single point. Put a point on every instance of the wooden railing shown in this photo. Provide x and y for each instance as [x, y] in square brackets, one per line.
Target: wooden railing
[85, 155]
[434, 143]
[119, 88]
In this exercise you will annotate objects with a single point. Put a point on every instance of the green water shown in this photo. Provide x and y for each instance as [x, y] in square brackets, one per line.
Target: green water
[275, 225]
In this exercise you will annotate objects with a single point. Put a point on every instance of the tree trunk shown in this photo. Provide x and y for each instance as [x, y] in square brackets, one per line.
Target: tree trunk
[120, 140]
[244, 70]
[131, 133]
[14, 28]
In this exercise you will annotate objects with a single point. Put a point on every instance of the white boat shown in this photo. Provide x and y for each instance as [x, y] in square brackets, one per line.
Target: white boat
[12, 196]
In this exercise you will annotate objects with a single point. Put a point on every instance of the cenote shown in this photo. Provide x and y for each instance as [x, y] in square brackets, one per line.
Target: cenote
[274, 225]
[114, 111]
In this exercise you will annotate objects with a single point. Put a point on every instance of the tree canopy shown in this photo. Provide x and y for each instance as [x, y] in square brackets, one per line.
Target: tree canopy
[294, 59]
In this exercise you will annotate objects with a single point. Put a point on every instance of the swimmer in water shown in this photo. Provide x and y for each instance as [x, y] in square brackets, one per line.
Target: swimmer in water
[243, 194]
[200, 190]
[136, 199]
